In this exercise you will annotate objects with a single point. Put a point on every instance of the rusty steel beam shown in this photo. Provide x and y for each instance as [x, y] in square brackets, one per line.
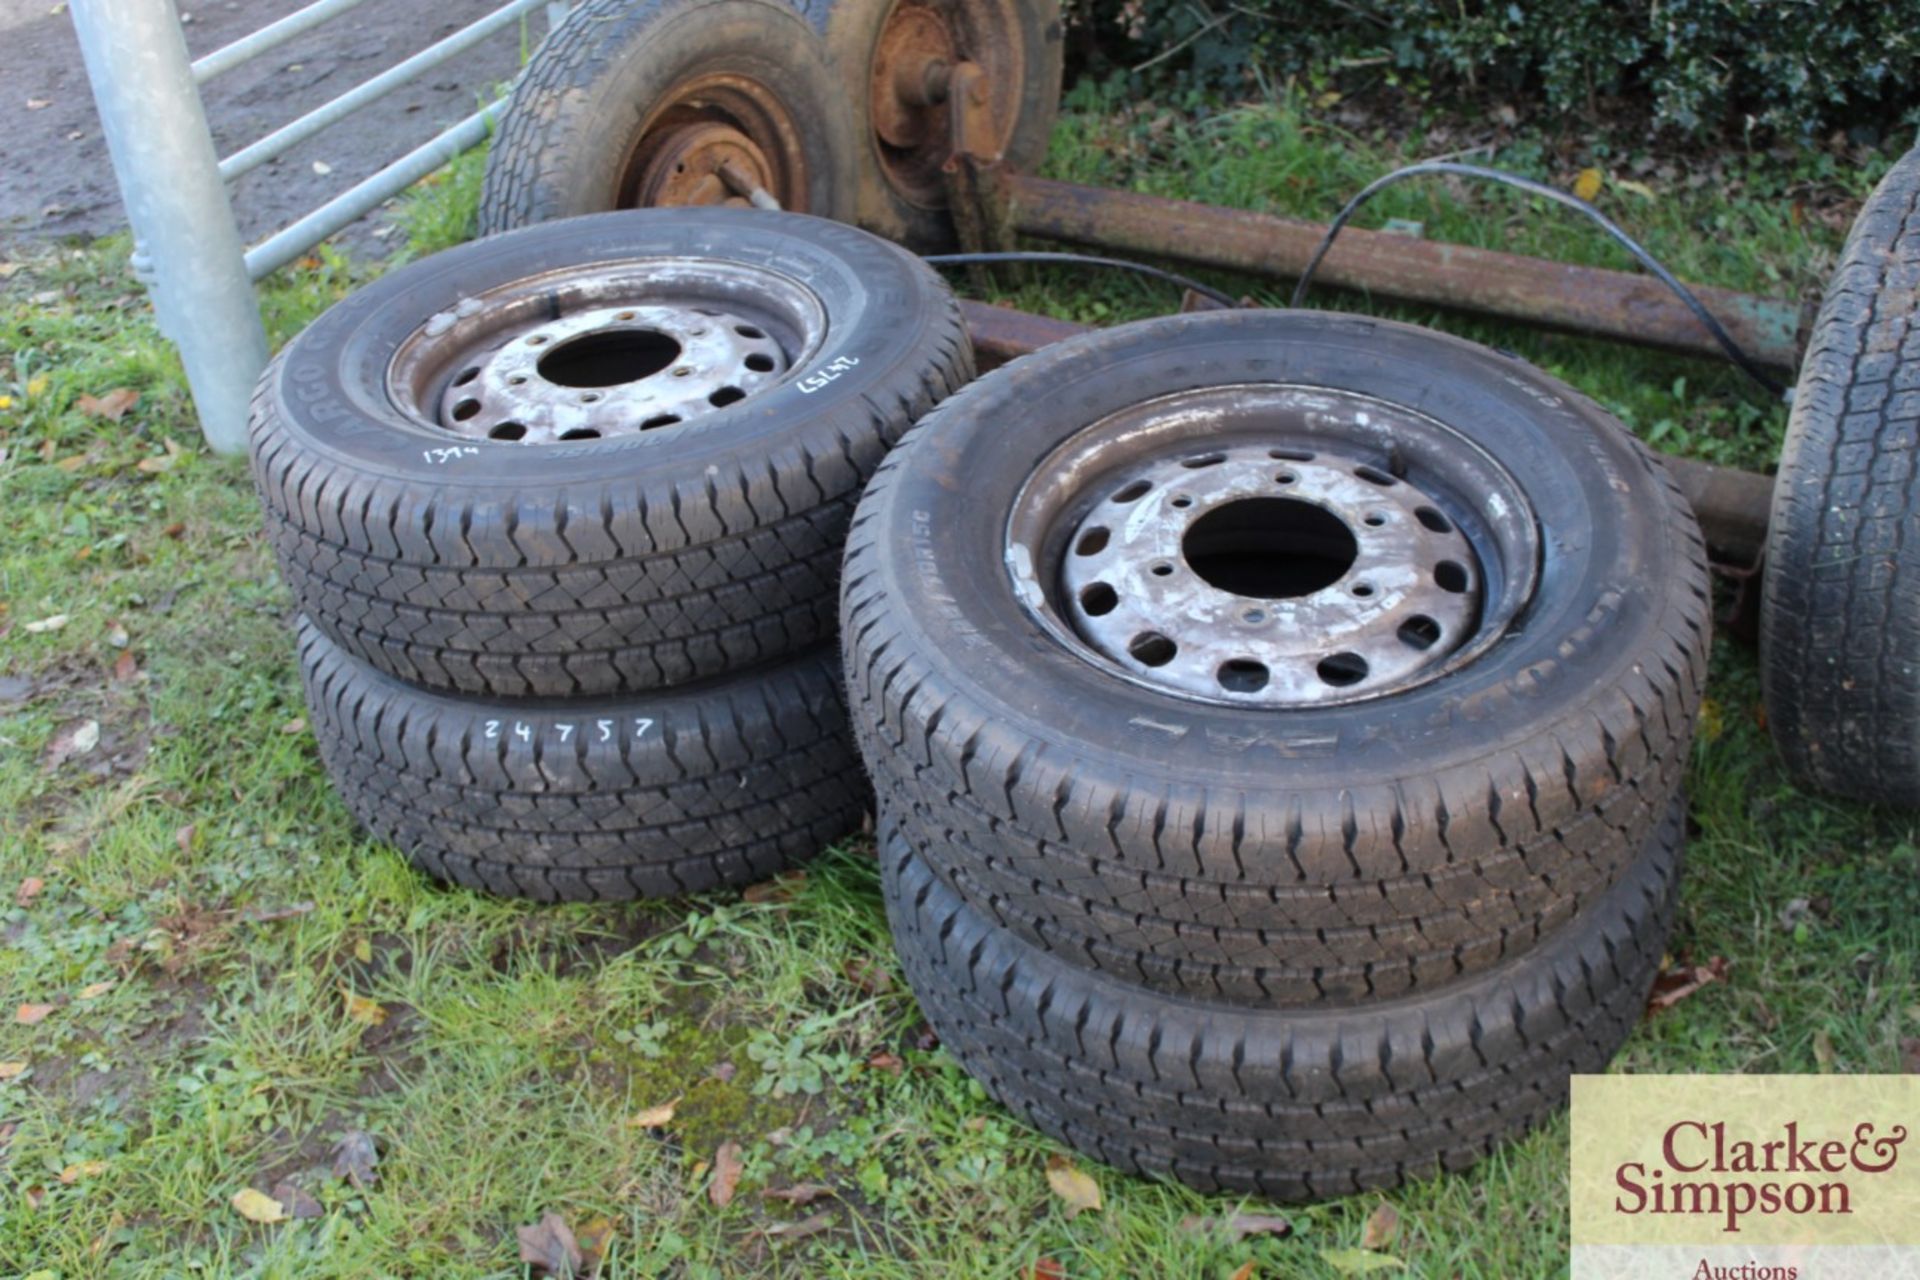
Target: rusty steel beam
[1589, 300]
[1732, 505]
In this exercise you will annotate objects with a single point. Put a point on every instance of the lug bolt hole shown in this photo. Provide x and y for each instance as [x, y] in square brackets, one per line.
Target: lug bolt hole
[1162, 570]
[1099, 600]
[1419, 632]
[1183, 502]
[1363, 589]
[1242, 675]
[1285, 477]
[1374, 519]
[1255, 616]
[1342, 669]
[1151, 649]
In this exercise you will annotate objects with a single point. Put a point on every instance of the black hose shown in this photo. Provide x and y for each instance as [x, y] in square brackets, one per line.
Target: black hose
[1085, 260]
[1625, 241]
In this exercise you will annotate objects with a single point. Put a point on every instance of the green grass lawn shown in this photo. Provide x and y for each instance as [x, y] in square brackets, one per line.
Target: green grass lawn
[239, 981]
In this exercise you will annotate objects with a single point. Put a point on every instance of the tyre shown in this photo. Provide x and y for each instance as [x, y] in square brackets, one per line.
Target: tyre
[1275, 658]
[597, 457]
[1293, 1105]
[1840, 605]
[894, 57]
[658, 795]
[659, 103]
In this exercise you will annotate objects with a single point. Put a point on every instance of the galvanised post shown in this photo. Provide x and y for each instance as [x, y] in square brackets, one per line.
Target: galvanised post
[163, 157]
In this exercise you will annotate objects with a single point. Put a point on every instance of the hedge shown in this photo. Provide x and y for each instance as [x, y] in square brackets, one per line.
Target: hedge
[1702, 68]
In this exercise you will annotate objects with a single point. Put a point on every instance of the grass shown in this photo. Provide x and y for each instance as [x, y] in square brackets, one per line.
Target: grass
[239, 979]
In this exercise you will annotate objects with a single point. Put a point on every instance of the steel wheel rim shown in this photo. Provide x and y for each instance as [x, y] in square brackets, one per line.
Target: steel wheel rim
[703, 124]
[603, 351]
[1273, 546]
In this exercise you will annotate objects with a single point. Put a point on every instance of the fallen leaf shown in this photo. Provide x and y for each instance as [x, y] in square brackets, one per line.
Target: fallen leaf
[1823, 1051]
[727, 1168]
[363, 950]
[868, 975]
[298, 1203]
[94, 990]
[8, 1070]
[176, 530]
[886, 1062]
[84, 1169]
[654, 1117]
[1360, 1262]
[258, 1206]
[1587, 185]
[799, 1230]
[354, 1159]
[594, 1235]
[1640, 189]
[37, 386]
[1045, 1269]
[292, 727]
[28, 1015]
[112, 406]
[124, 666]
[1796, 911]
[1243, 1272]
[1240, 1225]
[549, 1246]
[183, 837]
[76, 738]
[1079, 1191]
[361, 1009]
[781, 888]
[45, 625]
[800, 1194]
[1680, 980]
[1383, 1226]
[29, 890]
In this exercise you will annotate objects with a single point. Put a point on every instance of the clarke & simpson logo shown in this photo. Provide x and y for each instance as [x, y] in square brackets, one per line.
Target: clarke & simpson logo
[1745, 1178]
[1702, 1172]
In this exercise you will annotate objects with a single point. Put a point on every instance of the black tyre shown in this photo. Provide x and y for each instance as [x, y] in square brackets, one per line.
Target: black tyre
[1293, 1105]
[1383, 773]
[502, 471]
[658, 103]
[1840, 608]
[655, 796]
[894, 56]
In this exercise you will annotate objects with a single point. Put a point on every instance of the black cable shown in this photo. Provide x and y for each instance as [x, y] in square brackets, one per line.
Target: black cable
[1085, 260]
[1625, 241]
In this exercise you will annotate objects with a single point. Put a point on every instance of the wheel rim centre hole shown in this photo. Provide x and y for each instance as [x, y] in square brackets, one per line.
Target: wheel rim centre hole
[1270, 548]
[609, 357]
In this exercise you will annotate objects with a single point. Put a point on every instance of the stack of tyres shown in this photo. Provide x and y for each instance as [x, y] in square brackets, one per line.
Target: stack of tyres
[1278, 720]
[562, 514]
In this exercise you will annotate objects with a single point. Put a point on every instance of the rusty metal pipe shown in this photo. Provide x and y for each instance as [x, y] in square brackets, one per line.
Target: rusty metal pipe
[1732, 505]
[1590, 300]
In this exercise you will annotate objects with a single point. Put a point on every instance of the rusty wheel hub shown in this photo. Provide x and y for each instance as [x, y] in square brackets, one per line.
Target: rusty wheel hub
[916, 63]
[715, 141]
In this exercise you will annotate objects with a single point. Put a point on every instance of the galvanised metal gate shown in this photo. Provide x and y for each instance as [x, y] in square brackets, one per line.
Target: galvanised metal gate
[187, 246]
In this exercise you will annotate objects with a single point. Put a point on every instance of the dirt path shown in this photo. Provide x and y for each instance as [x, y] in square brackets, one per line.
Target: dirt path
[55, 176]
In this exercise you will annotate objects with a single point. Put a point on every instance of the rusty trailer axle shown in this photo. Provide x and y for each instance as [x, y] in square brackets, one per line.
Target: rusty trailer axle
[1619, 305]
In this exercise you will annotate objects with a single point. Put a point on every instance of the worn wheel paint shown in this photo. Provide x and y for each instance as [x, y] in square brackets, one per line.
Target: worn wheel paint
[550, 563]
[1320, 852]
